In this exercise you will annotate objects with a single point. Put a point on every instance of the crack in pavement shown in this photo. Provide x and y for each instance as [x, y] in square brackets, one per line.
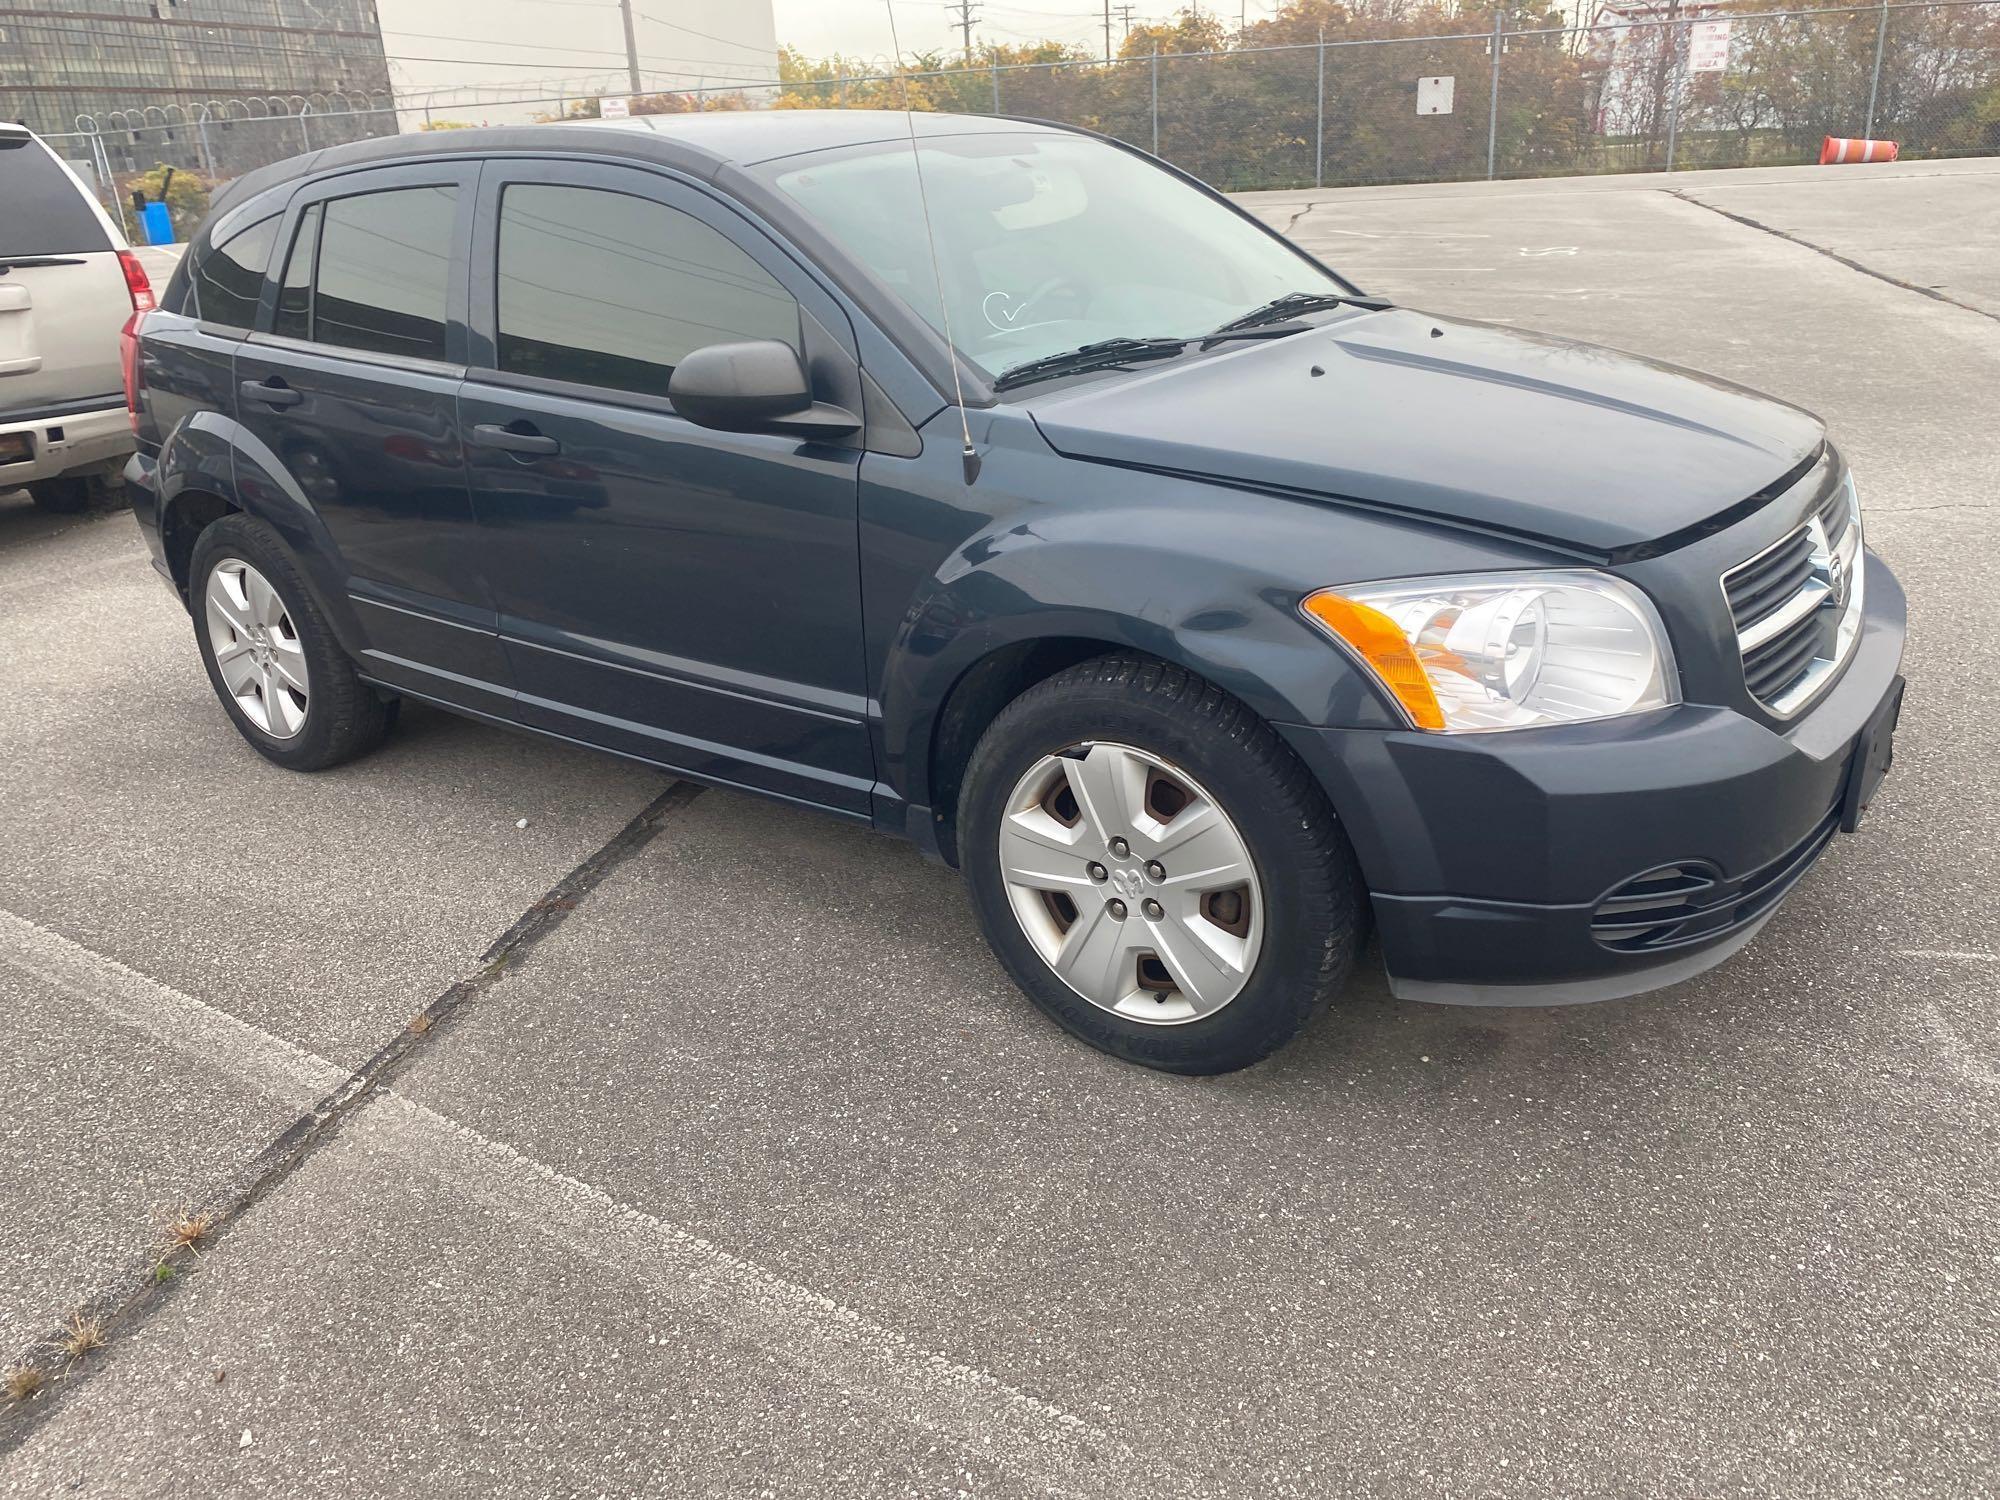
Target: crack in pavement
[963, 1403]
[136, 1294]
[1833, 255]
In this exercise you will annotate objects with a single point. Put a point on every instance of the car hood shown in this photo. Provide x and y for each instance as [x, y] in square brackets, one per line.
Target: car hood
[1507, 431]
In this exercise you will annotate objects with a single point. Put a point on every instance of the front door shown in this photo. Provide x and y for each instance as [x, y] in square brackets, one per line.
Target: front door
[349, 392]
[685, 595]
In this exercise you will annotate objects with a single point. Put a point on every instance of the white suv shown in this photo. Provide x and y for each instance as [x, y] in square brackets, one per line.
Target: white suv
[68, 285]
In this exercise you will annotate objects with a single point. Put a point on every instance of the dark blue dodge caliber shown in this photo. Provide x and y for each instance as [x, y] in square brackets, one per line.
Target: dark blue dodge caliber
[999, 486]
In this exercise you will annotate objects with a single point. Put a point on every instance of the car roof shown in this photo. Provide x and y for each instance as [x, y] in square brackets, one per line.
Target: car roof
[701, 145]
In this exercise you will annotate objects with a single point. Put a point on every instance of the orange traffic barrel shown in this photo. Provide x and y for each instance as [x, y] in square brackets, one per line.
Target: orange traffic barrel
[1835, 149]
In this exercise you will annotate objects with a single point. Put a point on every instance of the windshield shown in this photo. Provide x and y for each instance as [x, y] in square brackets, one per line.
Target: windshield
[1044, 242]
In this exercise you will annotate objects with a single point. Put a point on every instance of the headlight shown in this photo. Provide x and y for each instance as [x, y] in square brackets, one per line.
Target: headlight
[1505, 650]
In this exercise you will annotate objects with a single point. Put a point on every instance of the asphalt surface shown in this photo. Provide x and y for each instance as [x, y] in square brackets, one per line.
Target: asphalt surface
[754, 1176]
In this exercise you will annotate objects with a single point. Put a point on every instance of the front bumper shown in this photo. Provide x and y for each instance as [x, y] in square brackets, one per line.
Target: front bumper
[65, 441]
[1492, 857]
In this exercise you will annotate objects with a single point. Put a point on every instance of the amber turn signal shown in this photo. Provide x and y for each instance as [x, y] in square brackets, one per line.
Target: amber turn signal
[1379, 641]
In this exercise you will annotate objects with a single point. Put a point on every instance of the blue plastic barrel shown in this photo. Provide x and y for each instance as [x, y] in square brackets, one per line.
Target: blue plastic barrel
[158, 223]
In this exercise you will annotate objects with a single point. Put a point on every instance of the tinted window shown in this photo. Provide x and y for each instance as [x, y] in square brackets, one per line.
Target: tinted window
[384, 264]
[605, 289]
[295, 291]
[42, 211]
[229, 277]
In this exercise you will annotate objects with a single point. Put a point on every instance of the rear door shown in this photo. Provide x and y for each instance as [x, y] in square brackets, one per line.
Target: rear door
[349, 400]
[62, 293]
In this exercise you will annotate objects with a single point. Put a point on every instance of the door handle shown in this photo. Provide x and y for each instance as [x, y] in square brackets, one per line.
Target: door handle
[272, 392]
[487, 435]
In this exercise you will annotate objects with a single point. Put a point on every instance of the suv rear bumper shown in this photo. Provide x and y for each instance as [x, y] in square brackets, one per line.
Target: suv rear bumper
[67, 440]
[1490, 855]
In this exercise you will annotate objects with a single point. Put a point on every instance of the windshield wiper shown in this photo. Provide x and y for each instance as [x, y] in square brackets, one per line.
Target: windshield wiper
[1104, 354]
[1284, 309]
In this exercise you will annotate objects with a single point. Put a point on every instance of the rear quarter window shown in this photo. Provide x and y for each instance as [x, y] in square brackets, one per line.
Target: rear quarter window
[42, 210]
[228, 278]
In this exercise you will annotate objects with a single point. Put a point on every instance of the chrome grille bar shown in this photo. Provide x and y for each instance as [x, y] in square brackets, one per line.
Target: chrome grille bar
[1796, 605]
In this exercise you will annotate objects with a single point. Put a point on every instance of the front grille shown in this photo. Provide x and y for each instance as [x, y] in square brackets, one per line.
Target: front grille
[1692, 902]
[1797, 605]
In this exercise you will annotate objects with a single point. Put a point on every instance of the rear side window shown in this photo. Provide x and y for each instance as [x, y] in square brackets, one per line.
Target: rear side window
[605, 289]
[384, 264]
[42, 211]
[228, 278]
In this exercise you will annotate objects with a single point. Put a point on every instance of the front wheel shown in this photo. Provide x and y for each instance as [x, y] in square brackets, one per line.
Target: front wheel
[1156, 869]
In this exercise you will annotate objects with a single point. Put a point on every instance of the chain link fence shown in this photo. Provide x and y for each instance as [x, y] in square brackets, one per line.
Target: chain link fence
[1648, 93]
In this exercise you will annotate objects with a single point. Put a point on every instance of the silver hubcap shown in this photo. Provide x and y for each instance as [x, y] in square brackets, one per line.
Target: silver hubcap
[257, 650]
[1132, 883]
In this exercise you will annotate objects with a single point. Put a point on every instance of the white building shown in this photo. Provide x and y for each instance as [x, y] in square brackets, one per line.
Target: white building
[503, 62]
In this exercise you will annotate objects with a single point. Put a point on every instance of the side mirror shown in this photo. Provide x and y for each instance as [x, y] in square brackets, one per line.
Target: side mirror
[759, 386]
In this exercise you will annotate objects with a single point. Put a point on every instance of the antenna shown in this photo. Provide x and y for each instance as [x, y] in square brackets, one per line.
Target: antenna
[970, 455]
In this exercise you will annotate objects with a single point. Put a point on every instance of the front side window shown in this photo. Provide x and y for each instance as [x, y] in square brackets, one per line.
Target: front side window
[603, 289]
[1044, 242]
[384, 268]
[228, 279]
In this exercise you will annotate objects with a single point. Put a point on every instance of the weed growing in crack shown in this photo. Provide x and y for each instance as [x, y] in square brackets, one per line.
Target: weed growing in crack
[22, 1381]
[82, 1334]
[184, 1229]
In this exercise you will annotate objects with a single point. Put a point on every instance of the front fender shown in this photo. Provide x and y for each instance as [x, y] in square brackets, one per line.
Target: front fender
[1205, 577]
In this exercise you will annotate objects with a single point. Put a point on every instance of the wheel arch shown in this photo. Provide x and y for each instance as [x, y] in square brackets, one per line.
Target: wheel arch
[183, 518]
[981, 691]
[211, 466]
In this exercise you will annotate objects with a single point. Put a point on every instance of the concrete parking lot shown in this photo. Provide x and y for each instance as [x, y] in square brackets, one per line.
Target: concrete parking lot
[711, 1154]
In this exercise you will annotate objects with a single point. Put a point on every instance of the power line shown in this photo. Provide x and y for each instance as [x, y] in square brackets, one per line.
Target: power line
[708, 36]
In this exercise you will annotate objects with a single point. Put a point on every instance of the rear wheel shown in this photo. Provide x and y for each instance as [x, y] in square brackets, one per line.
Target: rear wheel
[1156, 869]
[271, 655]
[70, 495]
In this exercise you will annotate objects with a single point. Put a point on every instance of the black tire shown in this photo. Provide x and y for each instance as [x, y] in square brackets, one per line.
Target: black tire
[1315, 911]
[70, 495]
[344, 716]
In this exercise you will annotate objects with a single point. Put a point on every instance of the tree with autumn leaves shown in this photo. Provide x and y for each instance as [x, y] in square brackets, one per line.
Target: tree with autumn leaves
[1265, 106]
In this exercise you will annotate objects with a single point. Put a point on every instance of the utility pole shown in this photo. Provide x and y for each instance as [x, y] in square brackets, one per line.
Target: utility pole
[631, 47]
[1125, 16]
[966, 17]
[1107, 30]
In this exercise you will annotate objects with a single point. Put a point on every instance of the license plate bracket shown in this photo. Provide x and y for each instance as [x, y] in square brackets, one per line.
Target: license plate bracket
[1874, 753]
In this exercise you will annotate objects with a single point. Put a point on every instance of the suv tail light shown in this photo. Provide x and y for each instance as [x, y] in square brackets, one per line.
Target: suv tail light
[136, 282]
[128, 357]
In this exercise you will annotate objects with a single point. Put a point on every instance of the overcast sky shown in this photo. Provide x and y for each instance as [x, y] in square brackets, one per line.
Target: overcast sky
[861, 27]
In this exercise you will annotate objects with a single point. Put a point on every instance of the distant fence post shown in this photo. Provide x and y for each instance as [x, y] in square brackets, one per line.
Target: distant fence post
[1875, 78]
[305, 134]
[1673, 90]
[1319, 118]
[103, 159]
[1493, 95]
[843, 91]
[1156, 101]
[201, 140]
[996, 86]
